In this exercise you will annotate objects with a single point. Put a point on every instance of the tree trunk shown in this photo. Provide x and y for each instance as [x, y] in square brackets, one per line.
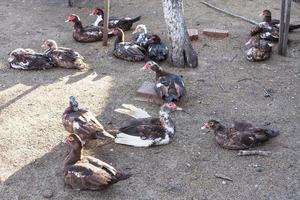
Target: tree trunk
[181, 52]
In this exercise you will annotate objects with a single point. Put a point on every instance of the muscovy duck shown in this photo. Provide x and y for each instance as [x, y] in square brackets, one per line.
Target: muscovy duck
[88, 173]
[157, 50]
[141, 35]
[169, 87]
[82, 122]
[127, 50]
[114, 22]
[240, 136]
[63, 57]
[146, 131]
[259, 49]
[85, 34]
[28, 59]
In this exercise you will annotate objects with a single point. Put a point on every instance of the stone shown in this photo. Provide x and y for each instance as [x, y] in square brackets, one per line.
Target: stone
[147, 93]
[217, 33]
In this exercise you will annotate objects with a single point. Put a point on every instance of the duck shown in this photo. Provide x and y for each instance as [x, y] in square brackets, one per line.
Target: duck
[87, 172]
[28, 59]
[157, 51]
[144, 130]
[170, 87]
[85, 34]
[259, 49]
[127, 50]
[124, 23]
[240, 135]
[63, 57]
[140, 35]
[83, 122]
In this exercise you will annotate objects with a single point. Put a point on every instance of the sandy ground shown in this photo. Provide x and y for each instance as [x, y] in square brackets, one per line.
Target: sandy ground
[224, 86]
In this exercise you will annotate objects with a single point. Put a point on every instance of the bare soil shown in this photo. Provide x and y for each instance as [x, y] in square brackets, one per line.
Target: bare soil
[225, 87]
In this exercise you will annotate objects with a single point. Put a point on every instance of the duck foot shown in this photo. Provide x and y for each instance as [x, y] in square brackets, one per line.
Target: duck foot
[254, 152]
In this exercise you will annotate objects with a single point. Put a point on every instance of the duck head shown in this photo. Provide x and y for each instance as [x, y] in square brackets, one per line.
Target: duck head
[267, 15]
[141, 28]
[154, 39]
[97, 12]
[152, 66]
[73, 18]
[212, 125]
[49, 44]
[170, 106]
[73, 103]
[75, 142]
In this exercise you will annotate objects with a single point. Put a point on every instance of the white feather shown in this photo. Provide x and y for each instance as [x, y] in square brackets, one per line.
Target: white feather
[132, 111]
[135, 141]
[99, 19]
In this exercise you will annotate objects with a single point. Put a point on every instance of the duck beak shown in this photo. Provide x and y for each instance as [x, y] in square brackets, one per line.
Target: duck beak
[67, 20]
[179, 108]
[248, 43]
[205, 126]
[91, 14]
[261, 14]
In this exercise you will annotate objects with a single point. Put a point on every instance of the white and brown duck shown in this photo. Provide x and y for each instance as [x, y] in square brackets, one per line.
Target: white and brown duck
[124, 23]
[88, 173]
[28, 59]
[170, 87]
[258, 49]
[63, 57]
[144, 130]
[85, 34]
[240, 135]
[83, 122]
[127, 50]
[140, 35]
[156, 49]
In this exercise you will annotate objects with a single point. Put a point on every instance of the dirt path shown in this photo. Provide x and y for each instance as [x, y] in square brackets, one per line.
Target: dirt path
[224, 86]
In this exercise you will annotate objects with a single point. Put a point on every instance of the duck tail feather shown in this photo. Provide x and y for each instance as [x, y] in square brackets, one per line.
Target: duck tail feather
[272, 133]
[132, 111]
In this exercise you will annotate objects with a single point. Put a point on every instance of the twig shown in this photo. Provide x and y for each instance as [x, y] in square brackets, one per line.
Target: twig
[253, 152]
[229, 13]
[232, 59]
[267, 94]
[221, 176]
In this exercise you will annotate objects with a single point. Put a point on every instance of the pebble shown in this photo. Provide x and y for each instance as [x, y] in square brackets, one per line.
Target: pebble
[47, 194]
[224, 182]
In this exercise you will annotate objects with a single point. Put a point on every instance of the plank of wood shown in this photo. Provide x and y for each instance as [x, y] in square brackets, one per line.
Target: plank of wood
[281, 27]
[217, 33]
[286, 26]
[105, 24]
[147, 93]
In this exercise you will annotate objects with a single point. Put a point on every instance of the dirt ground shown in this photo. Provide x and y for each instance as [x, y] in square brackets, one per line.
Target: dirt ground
[225, 86]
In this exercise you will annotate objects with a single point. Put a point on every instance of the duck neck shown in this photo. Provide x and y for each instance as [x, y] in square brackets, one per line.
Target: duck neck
[78, 26]
[267, 19]
[73, 157]
[120, 38]
[98, 20]
[166, 121]
[221, 130]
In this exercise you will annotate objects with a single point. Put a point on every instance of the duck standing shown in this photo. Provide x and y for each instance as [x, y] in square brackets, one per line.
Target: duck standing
[146, 131]
[240, 136]
[85, 34]
[127, 50]
[124, 23]
[82, 122]
[63, 57]
[28, 59]
[169, 87]
[88, 173]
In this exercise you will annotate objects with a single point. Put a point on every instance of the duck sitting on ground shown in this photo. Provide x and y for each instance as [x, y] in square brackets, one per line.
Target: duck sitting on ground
[114, 22]
[240, 136]
[28, 59]
[85, 34]
[88, 173]
[127, 50]
[157, 50]
[83, 122]
[146, 131]
[141, 35]
[169, 87]
[63, 57]
[259, 49]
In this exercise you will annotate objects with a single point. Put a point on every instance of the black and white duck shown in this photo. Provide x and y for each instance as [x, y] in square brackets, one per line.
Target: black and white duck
[259, 49]
[144, 130]
[85, 34]
[88, 173]
[156, 49]
[28, 59]
[63, 57]
[83, 122]
[140, 35]
[240, 135]
[170, 87]
[127, 50]
[124, 23]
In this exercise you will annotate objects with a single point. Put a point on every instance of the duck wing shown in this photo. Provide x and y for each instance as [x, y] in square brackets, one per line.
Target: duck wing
[129, 51]
[158, 52]
[170, 85]
[30, 61]
[100, 164]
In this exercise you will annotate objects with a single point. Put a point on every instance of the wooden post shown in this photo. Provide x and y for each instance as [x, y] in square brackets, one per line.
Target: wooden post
[284, 26]
[105, 24]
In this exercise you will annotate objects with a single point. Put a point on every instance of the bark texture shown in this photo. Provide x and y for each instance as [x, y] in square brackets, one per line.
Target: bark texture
[181, 51]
